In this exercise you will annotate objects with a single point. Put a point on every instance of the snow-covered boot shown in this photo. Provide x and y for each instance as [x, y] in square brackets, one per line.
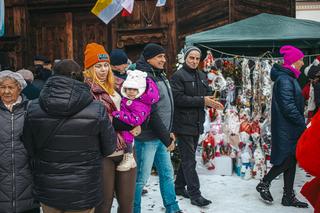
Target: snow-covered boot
[263, 189]
[127, 163]
[289, 199]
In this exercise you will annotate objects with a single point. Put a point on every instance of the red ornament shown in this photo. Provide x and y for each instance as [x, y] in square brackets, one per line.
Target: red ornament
[245, 126]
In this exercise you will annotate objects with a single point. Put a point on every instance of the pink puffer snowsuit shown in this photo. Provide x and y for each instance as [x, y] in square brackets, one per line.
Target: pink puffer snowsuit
[135, 112]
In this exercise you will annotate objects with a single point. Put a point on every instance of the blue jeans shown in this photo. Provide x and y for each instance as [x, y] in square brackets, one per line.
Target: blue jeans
[147, 153]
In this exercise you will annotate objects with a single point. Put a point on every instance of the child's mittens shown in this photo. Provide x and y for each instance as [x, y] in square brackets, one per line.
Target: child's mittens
[116, 114]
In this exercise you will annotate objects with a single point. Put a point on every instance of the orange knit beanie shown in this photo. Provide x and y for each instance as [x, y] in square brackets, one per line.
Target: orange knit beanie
[95, 53]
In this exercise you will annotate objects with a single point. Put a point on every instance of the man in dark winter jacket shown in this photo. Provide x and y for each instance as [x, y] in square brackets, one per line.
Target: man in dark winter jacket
[287, 124]
[150, 149]
[30, 91]
[67, 133]
[191, 95]
[314, 76]
[42, 72]
[119, 63]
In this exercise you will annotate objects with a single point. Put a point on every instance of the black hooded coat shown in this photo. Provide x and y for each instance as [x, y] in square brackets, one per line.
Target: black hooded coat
[67, 170]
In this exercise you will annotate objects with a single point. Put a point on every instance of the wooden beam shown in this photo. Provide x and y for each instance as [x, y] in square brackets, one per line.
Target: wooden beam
[69, 32]
[17, 21]
[172, 34]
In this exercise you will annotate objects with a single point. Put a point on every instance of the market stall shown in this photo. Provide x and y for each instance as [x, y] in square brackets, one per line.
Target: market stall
[238, 60]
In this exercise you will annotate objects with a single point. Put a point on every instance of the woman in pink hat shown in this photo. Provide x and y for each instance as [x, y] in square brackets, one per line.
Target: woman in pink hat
[287, 124]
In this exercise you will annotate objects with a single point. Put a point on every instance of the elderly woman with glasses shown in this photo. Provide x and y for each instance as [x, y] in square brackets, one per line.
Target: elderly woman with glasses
[15, 174]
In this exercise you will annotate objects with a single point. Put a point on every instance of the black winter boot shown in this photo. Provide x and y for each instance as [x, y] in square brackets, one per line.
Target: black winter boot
[289, 199]
[263, 189]
[200, 201]
[182, 192]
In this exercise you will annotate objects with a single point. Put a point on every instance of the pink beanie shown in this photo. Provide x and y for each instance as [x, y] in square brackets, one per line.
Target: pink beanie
[290, 54]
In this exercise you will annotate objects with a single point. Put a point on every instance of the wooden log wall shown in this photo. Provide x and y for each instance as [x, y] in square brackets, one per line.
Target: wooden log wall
[241, 9]
[196, 16]
[61, 28]
[13, 46]
[148, 23]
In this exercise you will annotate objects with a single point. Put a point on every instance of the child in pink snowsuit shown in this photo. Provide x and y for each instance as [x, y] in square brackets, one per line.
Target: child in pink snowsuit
[139, 93]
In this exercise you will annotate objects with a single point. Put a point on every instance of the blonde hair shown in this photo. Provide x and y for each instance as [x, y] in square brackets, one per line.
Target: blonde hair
[107, 85]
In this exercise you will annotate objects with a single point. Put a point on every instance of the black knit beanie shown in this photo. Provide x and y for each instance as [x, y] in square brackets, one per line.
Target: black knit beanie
[152, 50]
[118, 57]
[314, 72]
[187, 50]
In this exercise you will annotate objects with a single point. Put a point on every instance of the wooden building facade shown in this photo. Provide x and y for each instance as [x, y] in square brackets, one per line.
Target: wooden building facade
[61, 29]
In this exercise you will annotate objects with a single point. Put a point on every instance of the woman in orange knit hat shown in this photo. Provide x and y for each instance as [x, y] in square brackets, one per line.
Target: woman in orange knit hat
[98, 75]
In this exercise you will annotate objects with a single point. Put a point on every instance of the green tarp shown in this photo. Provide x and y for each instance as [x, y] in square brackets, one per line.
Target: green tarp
[263, 30]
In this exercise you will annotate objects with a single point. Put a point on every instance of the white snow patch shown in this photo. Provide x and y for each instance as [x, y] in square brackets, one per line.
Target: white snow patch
[228, 194]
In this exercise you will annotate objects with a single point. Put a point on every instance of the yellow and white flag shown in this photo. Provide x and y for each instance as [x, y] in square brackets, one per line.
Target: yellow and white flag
[128, 5]
[107, 9]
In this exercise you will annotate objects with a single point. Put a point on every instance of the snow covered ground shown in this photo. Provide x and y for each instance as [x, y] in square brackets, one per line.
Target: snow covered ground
[228, 193]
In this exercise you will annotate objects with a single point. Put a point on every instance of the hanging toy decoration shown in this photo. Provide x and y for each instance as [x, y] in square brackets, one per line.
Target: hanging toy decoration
[208, 62]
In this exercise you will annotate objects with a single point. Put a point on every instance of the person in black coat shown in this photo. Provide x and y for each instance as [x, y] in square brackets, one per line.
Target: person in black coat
[314, 76]
[30, 91]
[67, 134]
[119, 63]
[42, 70]
[15, 173]
[287, 124]
[191, 95]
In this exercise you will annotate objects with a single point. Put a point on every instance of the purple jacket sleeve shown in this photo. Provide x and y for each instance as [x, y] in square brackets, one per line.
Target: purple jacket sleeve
[134, 114]
[151, 95]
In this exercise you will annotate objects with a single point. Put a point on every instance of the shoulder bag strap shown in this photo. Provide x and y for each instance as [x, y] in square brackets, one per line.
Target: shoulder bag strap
[50, 137]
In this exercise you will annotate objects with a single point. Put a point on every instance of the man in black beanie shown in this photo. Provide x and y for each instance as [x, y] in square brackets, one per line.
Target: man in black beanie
[149, 148]
[119, 63]
[42, 70]
[314, 76]
[191, 95]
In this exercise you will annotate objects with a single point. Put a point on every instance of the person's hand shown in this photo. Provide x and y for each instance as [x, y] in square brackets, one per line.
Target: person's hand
[171, 147]
[217, 105]
[136, 131]
[173, 137]
[210, 102]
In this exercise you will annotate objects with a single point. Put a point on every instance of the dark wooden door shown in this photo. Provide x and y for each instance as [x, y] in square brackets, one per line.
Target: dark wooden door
[66, 34]
[49, 35]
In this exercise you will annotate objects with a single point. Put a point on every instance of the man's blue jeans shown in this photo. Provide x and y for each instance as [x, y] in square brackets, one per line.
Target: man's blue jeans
[147, 153]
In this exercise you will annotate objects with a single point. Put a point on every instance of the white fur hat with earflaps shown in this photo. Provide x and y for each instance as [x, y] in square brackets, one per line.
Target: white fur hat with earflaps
[136, 79]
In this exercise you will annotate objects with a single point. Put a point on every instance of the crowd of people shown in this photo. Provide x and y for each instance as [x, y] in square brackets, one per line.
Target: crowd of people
[73, 140]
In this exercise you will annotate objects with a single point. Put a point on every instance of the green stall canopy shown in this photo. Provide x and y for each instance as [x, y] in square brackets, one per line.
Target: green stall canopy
[263, 30]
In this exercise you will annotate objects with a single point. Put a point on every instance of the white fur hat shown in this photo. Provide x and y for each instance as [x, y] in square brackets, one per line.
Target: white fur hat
[136, 79]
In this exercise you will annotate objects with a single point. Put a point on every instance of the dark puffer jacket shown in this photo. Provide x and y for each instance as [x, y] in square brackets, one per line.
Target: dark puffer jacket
[287, 123]
[68, 172]
[15, 173]
[189, 86]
